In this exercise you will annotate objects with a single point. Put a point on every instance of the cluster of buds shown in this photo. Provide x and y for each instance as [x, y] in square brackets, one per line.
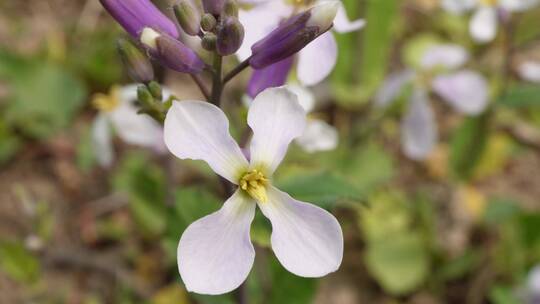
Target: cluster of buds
[216, 22]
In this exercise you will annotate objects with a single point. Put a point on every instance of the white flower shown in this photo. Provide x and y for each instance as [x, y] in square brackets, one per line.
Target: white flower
[118, 112]
[464, 90]
[485, 19]
[317, 59]
[215, 254]
[530, 71]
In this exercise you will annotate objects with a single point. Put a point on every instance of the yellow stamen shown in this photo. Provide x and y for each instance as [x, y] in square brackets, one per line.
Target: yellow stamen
[489, 2]
[254, 183]
[301, 3]
[107, 103]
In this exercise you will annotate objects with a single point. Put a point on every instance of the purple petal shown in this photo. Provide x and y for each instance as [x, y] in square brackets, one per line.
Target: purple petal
[419, 131]
[274, 75]
[134, 15]
[466, 90]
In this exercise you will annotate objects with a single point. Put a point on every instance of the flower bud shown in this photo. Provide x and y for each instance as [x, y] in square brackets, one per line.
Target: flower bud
[230, 36]
[208, 42]
[231, 8]
[155, 90]
[208, 22]
[135, 15]
[188, 17]
[214, 7]
[293, 35]
[144, 96]
[171, 53]
[137, 65]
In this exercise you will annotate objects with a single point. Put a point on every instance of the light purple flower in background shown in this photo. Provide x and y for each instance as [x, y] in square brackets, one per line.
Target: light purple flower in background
[530, 71]
[465, 90]
[118, 112]
[487, 13]
[316, 60]
[215, 253]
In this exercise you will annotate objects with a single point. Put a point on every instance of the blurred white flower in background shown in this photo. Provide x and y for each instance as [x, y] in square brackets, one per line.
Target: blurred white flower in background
[464, 90]
[529, 71]
[487, 14]
[118, 113]
[215, 253]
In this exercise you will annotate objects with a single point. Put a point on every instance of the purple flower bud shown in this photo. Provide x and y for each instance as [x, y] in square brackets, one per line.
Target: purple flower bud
[293, 35]
[230, 35]
[136, 63]
[171, 53]
[274, 75]
[135, 15]
[214, 7]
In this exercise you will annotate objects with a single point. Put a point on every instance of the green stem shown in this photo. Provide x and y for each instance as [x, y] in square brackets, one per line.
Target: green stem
[237, 70]
[217, 84]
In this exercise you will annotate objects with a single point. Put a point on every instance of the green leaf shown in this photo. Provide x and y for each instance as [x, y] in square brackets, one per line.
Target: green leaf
[400, 264]
[10, 143]
[503, 295]
[460, 266]
[321, 188]
[86, 158]
[500, 210]
[468, 145]
[145, 185]
[17, 262]
[521, 96]
[44, 97]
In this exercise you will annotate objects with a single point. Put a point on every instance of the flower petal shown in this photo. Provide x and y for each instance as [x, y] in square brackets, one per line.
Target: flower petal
[317, 60]
[199, 130]
[483, 26]
[530, 71]
[392, 87]
[102, 141]
[458, 6]
[215, 253]
[318, 136]
[518, 5]
[262, 19]
[467, 91]
[274, 75]
[419, 131]
[276, 118]
[450, 56]
[342, 24]
[306, 239]
[132, 127]
[305, 97]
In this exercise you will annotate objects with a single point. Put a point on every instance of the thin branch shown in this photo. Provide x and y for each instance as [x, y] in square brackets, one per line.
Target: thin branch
[237, 70]
[201, 85]
[217, 84]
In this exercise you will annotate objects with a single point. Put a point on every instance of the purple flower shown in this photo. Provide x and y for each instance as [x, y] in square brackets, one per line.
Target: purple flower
[274, 75]
[318, 58]
[171, 53]
[135, 15]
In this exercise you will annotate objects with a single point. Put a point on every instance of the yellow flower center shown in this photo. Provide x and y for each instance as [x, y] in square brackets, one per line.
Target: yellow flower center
[301, 3]
[107, 103]
[254, 183]
[489, 2]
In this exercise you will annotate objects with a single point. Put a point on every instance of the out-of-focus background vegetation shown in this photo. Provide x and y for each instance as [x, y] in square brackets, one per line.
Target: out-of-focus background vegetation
[461, 227]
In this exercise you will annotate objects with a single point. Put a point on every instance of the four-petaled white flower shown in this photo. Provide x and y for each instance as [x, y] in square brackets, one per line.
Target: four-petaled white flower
[484, 22]
[464, 90]
[215, 253]
[119, 111]
[317, 59]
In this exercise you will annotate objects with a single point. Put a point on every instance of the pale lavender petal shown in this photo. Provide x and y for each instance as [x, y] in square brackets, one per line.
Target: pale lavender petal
[419, 131]
[392, 87]
[518, 5]
[215, 254]
[305, 97]
[306, 239]
[458, 6]
[274, 75]
[199, 130]
[466, 91]
[483, 26]
[318, 136]
[276, 118]
[450, 56]
[317, 60]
